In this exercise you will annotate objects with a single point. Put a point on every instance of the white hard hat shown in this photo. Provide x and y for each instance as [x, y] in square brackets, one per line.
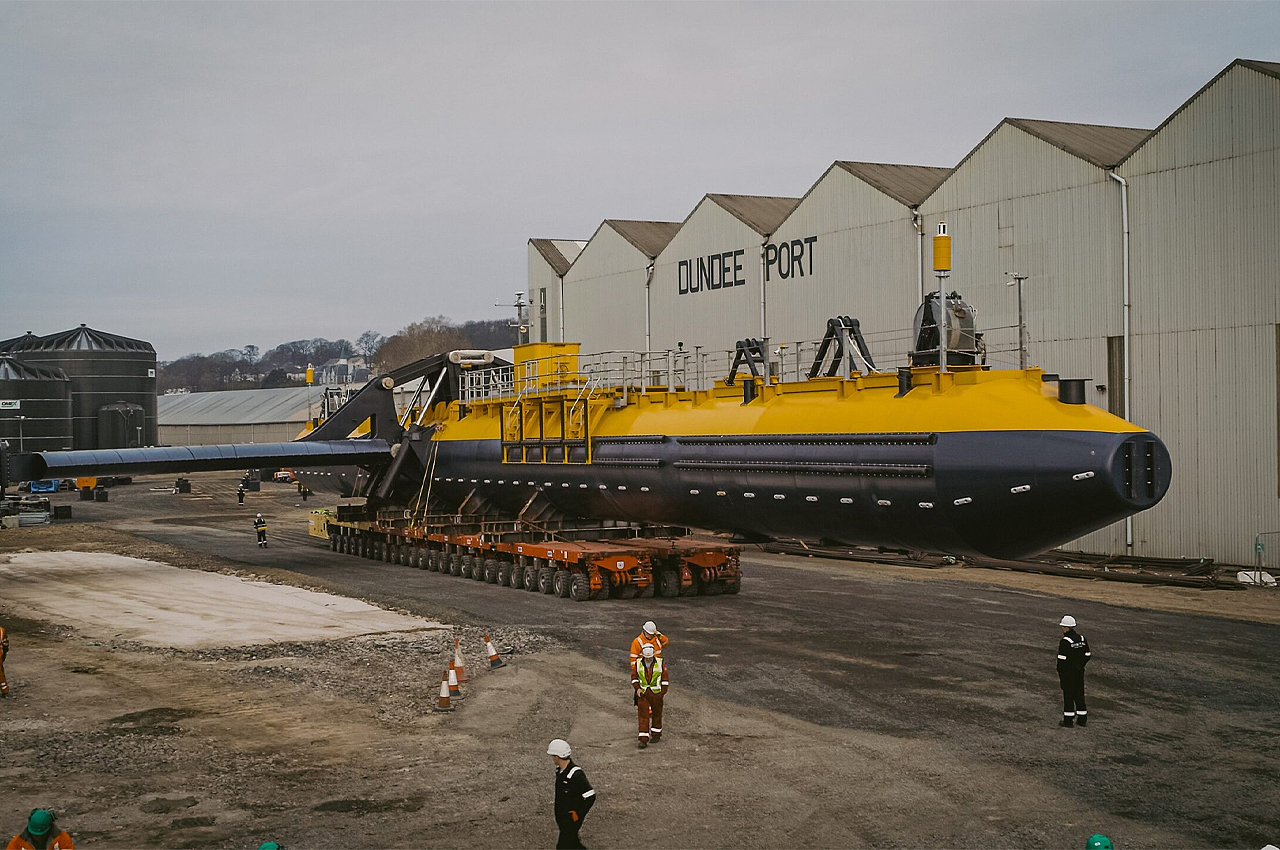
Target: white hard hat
[259, 516]
[558, 748]
[650, 628]
[1068, 621]
[647, 651]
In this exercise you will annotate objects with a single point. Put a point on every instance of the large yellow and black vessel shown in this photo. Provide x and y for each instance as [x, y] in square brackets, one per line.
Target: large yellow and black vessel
[964, 460]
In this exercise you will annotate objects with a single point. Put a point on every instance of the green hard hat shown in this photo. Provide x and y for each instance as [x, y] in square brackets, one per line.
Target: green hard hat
[40, 822]
[269, 845]
[1098, 842]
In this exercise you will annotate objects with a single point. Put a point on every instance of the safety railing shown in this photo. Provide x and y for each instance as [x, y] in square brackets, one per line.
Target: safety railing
[628, 371]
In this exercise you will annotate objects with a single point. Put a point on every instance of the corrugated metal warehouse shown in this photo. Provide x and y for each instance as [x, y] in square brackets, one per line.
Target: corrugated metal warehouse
[1150, 260]
[236, 416]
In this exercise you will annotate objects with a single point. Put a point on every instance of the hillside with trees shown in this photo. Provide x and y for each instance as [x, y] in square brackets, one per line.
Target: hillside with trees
[284, 365]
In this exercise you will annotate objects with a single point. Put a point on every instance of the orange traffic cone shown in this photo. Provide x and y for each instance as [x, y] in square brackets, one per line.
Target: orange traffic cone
[443, 704]
[454, 690]
[457, 661]
[494, 661]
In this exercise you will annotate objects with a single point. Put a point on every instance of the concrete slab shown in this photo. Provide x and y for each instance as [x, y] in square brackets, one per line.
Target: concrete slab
[113, 597]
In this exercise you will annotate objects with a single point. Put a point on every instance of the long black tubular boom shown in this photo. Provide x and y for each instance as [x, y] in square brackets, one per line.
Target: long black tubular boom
[161, 459]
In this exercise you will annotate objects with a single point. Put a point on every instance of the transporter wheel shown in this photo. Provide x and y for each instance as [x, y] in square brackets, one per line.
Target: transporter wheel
[455, 564]
[493, 572]
[579, 588]
[669, 584]
[515, 576]
[733, 586]
[468, 563]
[436, 560]
[389, 552]
[563, 581]
[711, 588]
[531, 573]
[415, 557]
[606, 584]
[333, 543]
[406, 554]
[364, 547]
[341, 544]
[692, 589]
[504, 574]
[477, 568]
[648, 590]
[546, 579]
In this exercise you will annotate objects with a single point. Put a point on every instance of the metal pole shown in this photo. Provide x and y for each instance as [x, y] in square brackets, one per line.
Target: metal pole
[21, 419]
[1022, 321]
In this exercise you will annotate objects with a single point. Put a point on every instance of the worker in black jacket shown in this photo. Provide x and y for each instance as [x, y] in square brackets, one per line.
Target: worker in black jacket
[1073, 654]
[574, 795]
[260, 526]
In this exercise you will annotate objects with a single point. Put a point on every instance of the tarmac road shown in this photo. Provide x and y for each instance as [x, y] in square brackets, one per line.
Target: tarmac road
[1183, 731]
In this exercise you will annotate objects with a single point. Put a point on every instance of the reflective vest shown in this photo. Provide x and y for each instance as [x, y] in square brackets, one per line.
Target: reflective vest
[652, 682]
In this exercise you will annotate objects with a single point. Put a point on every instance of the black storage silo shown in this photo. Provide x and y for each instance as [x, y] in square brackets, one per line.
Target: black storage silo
[8, 344]
[35, 406]
[104, 369]
[120, 425]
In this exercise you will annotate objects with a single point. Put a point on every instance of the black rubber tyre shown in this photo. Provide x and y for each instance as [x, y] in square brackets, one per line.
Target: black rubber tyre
[342, 544]
[406, 554]
[415, 557]
[546, 580]
[515, 577]
[669, 584]
[333, 543]
[477, 568]
[647, 591]
[363, 547]
[504, 574]
[606, 584]
[467, 563]
[493, 571]
[531, 573]
[389, 552]
[579, 588]
[455, 564]
[712, 588]
[562, 580]
[692, 589]
[733, 586]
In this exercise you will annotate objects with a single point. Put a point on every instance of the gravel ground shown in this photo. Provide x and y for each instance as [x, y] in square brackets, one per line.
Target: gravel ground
[829, 705]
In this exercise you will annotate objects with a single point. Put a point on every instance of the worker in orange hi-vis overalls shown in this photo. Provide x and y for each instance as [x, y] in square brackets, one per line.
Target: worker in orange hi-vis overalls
[649, 636]
[4, 650]
[649, 679]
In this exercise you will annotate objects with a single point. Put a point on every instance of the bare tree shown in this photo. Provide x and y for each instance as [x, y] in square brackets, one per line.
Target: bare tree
[368, 343]
[433, 335]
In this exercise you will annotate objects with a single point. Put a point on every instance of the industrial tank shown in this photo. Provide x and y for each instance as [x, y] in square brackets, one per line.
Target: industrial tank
[35, 406]
[104, 369]
[8, 345]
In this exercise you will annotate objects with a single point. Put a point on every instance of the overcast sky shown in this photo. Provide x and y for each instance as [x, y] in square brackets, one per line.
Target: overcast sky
[210, 175]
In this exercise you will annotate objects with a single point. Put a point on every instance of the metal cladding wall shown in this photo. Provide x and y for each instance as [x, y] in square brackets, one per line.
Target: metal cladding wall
[686, 308]
[41, 396]
[604, 294]
[543, 280]
[1204, 213]
[861, 263]
[104, 369]
[549, 259]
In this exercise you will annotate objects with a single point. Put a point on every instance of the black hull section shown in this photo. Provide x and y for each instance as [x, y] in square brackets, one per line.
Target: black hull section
[998, 494]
